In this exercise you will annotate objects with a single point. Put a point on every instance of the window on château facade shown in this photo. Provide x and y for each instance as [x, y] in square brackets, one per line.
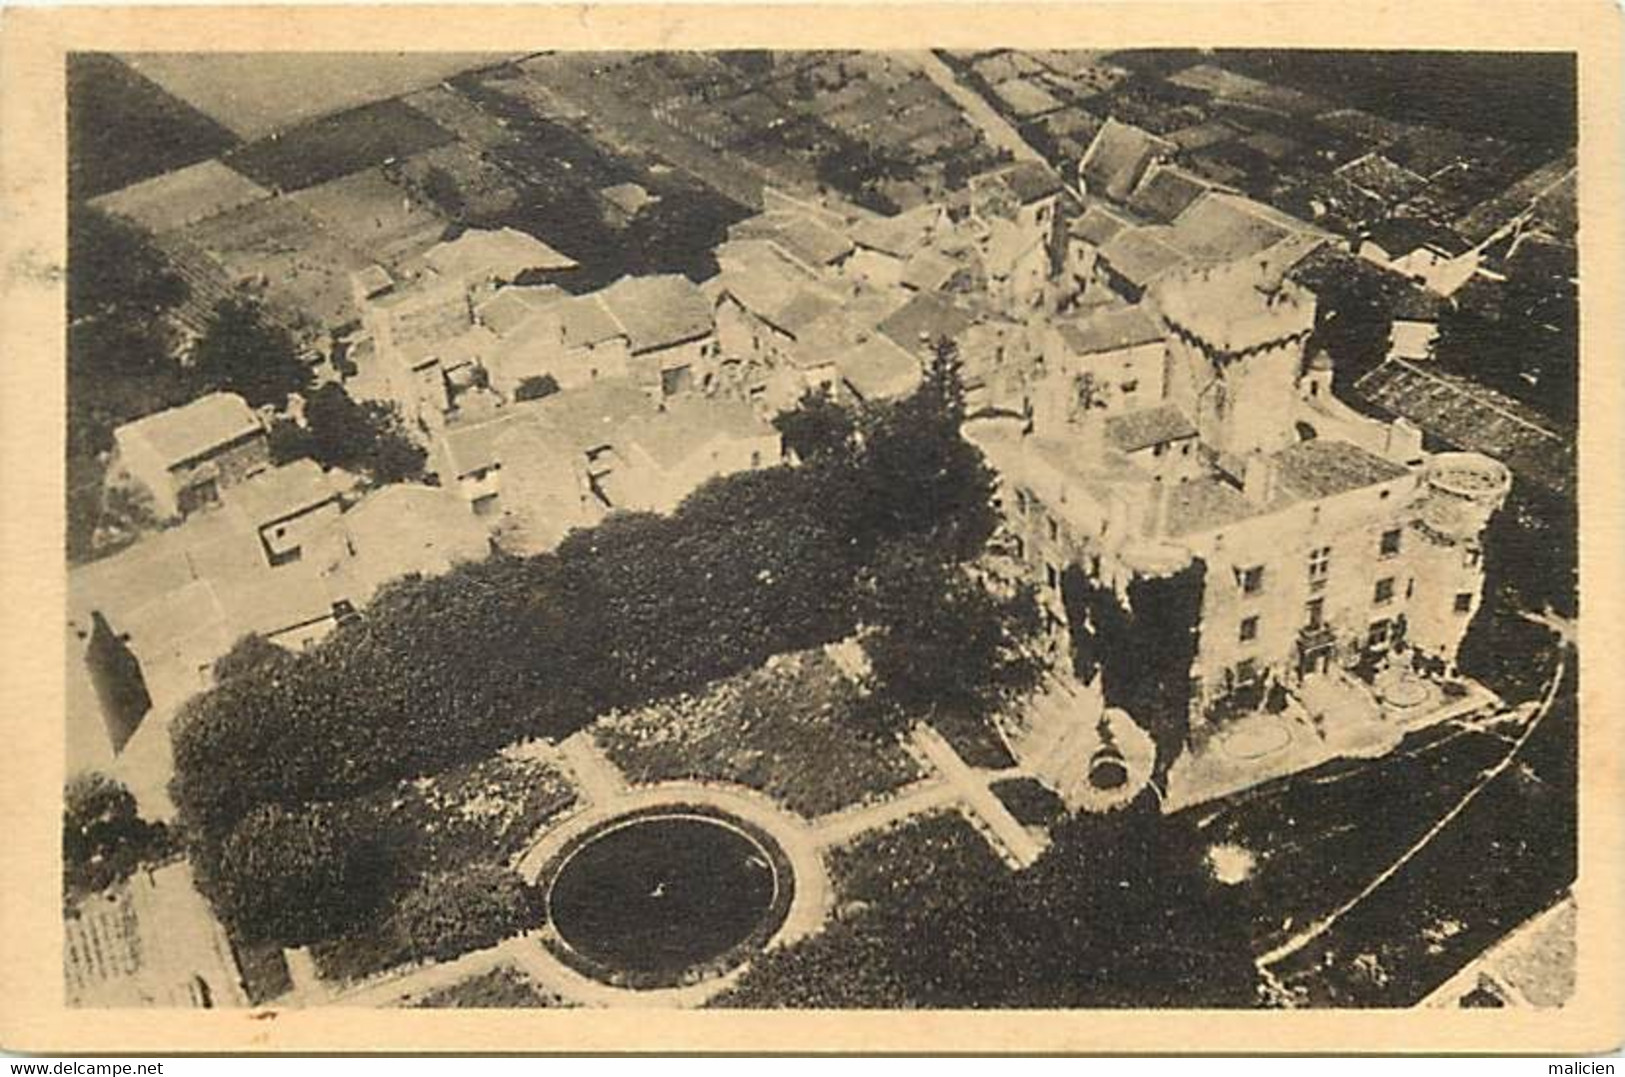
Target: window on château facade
[1249, 629]
[1464, 602]
[1252, 580]
[1320, 567]
[1384, 592]
[1315, 613]
[1390, 543]
[1378, 634]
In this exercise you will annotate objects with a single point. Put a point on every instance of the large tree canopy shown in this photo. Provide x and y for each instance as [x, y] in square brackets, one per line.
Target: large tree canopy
[243, 351]
[104, 838]
[441, 671]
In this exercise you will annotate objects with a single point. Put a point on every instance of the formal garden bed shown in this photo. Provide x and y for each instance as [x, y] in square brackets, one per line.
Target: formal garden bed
[468, 820]
[784, 729]
[888, 885]
[502, 988]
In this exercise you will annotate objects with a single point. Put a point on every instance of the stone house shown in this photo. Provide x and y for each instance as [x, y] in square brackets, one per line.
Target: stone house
[184, 457]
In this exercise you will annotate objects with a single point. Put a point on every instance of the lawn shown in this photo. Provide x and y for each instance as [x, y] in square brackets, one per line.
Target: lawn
[887, 885]
[338, 145]
[784, 729]
[123, 128]
[503, 988]
[921, 857]
[484, 812]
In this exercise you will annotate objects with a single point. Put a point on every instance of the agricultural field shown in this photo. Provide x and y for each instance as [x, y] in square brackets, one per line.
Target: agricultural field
[277, 246]
[338, 145]
[256, 94]
[374, 217]
[123, 128]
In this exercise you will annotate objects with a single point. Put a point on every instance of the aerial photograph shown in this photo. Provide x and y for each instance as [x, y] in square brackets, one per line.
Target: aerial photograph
[783, 530]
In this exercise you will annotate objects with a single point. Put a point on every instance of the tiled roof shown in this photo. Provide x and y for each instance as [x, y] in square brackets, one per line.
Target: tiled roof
[918, 324]
[878, 369]
[799, 235]
[1141, 255]
[1166, 192]
[1111, 330]
[591, 417]
[1100, 223]
[1026, 98]
[1473, 417]
[503, 312]
[658, 312]
[282, 492]
[901, 235]
[688, 424]
[195, 429]
[501, 254]
[1220, 227]
[928, 270]
[1315, 469]
[417, 318]
[584, 320]
[472, 447]
[1145, 427]
[1118, 157]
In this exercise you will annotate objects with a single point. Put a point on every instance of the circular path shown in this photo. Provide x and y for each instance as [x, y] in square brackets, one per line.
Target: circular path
[606, 912]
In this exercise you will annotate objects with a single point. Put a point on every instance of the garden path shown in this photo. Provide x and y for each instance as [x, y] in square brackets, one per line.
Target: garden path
[1014, 843]
[598, 779]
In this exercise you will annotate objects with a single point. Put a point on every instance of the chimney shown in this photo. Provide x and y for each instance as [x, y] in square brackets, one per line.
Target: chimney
[1258, 478]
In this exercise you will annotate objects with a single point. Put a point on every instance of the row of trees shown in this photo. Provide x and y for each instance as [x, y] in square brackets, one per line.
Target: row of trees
[443, 670]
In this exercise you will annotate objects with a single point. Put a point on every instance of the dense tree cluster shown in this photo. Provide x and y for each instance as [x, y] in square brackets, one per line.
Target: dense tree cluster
[1119, 912]
[104, 838]
[444, 670]
[1142, 647]
[244, 351]
[120, 365]
[1521, 337]
[368, 438]
[451, 913]
[1530, 567]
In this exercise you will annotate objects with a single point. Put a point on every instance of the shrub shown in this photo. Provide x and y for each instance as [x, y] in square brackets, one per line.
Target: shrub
[536, 387]
[104, 838]
[451, 913]
[295, 877]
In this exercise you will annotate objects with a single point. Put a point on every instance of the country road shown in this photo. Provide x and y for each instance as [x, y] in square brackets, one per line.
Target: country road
[998, 131]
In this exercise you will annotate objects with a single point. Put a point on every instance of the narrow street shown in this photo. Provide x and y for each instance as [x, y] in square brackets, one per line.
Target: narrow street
[1000, 132]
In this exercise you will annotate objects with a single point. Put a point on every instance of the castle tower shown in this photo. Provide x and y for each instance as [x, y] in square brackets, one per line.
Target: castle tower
[1236, 337]
[1462, 492]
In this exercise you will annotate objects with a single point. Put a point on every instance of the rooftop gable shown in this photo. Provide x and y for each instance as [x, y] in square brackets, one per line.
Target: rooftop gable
[193, 430]
[495, 254]
[659, 311]
[1118, 157]
[1145, 428]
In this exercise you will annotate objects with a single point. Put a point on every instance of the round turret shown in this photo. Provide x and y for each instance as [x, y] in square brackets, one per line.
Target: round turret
[1464, 490]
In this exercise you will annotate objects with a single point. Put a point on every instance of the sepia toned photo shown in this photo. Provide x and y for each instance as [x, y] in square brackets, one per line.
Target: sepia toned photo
[796, 529]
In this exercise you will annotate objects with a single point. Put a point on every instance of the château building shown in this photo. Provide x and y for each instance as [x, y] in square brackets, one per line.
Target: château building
[1321, 547]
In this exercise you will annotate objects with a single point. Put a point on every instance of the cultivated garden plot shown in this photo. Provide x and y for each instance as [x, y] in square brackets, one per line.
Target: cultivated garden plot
[784, 730]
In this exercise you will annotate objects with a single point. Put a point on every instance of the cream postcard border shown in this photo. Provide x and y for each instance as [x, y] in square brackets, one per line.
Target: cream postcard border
[33, 42]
